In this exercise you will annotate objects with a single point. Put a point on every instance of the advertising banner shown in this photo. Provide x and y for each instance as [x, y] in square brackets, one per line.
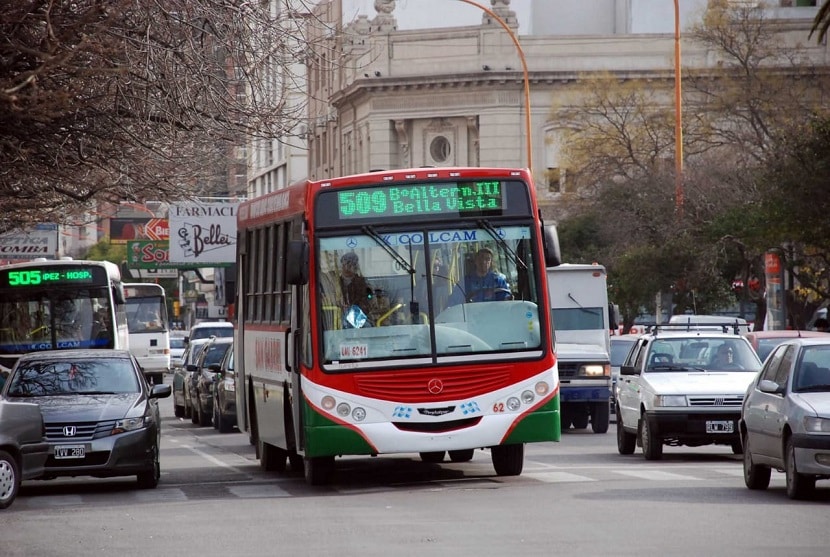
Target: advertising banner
[203, 234]
[25, 245]
[125, 229]
[152, 254]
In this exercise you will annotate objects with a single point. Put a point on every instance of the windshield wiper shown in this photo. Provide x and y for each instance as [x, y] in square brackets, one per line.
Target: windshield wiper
[485, 224]
[387, 247]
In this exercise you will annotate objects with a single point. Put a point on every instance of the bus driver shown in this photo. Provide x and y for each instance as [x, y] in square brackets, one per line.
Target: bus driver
[484, 284]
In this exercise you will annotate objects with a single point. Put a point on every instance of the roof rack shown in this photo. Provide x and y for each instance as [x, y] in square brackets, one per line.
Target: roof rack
[690, 326]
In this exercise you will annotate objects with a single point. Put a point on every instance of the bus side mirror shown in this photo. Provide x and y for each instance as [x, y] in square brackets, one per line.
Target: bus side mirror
[550, 240]
[296, 264]
[613, 316]
[118, 294]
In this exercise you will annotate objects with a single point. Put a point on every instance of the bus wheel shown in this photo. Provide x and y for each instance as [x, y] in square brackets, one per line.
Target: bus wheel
[508, 460]
[319, 470]
[432, 457]
[271, 458]
[465, 455]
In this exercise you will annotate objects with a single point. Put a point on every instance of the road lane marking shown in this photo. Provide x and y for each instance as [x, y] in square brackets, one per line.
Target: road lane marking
[558, 477]
[656, 475]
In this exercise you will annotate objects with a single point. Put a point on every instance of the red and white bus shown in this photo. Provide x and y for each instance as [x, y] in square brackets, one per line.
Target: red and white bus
[406, 355]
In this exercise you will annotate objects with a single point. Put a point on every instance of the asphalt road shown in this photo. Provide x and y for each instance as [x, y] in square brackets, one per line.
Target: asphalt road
[575, 497]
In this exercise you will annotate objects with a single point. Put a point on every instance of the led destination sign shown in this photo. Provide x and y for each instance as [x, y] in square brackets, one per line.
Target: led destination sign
[46, 277]
[399, 201]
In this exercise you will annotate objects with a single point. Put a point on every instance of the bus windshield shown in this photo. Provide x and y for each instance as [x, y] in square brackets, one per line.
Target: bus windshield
[431, 294]
[40, 319]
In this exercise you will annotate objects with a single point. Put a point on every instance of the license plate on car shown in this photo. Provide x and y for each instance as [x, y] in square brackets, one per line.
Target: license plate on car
[70, 451]
[720, 426]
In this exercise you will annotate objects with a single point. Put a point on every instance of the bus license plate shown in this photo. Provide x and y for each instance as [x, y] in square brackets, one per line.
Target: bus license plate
[720, 426]
[69, 451]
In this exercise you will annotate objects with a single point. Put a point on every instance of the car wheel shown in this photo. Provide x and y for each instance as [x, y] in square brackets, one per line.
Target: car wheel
[600, 416]
[464, 455]
[755, 475]
[508, 460]
[9, 479]
[204, 418]
[318, 470]
[194, 414]
[737, 447]
[799, 486]
[215, 414]
[433, 457]
[652, 447]
[626, 442]
[188, 411]
[150, 478]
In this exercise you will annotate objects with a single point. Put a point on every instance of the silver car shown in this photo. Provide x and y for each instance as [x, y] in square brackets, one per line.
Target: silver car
[23, 449]
[785, 417]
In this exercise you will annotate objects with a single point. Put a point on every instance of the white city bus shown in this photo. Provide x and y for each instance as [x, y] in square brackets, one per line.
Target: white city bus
[149, 328]
[58, 305]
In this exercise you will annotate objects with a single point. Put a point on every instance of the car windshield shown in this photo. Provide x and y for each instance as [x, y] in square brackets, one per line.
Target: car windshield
[176, 342]
[702, 353]
[813, 372]
[215, 354]
[71, 377]
[207, 332]
[619, 350]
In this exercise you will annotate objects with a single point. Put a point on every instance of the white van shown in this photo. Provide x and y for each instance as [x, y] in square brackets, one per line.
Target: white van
[207, 329]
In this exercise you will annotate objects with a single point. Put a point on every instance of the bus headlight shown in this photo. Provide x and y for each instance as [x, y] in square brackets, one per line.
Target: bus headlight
[513, 404]
[542, 388]
[528, 397]
[327, 403]
[343, 409]
[359, 414]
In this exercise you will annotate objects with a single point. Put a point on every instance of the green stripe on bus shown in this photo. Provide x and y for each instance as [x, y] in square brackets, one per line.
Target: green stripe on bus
[543, 424]
[323, 437]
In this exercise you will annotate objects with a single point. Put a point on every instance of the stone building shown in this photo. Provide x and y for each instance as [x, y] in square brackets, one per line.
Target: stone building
[384, 98]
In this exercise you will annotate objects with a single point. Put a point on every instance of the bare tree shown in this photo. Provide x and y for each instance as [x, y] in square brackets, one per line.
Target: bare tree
[136, 99]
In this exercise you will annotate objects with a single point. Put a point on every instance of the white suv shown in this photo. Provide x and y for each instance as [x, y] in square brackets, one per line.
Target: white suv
[207, 329]
[681, 386]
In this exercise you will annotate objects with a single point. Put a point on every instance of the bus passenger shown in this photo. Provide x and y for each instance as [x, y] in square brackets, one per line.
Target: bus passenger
[484, 284]
[353, 291]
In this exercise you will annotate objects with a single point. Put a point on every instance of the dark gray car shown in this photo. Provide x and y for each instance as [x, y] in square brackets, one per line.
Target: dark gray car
[101, 416]
[23, 450]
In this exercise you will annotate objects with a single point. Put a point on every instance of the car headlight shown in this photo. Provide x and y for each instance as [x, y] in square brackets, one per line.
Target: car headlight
[131, 424]
[670, 400]
[814, 424]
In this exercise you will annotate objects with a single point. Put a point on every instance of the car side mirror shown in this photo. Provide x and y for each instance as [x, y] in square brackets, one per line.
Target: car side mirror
[191, 367]
[629, 370]
[771, 387]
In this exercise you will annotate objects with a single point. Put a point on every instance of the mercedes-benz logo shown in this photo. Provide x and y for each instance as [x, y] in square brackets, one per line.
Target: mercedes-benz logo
[435, 386]
[70, 431]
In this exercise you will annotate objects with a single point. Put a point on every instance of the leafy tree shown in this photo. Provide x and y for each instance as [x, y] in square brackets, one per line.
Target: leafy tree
[106, 251]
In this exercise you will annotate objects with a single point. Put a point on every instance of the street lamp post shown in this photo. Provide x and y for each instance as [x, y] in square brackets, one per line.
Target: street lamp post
[678, 117]
[515, 40]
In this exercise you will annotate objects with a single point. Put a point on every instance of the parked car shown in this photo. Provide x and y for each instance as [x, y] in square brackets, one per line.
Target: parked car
[23, 449]
[177, 346]
[681, 386]
[224, 394]
[764, 341]
[101, 415]
[181, 398]
[785, 418]
[200, 379]
[208, 329]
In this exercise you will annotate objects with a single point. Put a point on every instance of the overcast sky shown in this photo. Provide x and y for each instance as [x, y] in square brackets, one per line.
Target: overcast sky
[421, 14]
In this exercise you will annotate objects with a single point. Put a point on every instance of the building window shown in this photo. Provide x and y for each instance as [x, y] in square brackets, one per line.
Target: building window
[439, 149]
[554, 176]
